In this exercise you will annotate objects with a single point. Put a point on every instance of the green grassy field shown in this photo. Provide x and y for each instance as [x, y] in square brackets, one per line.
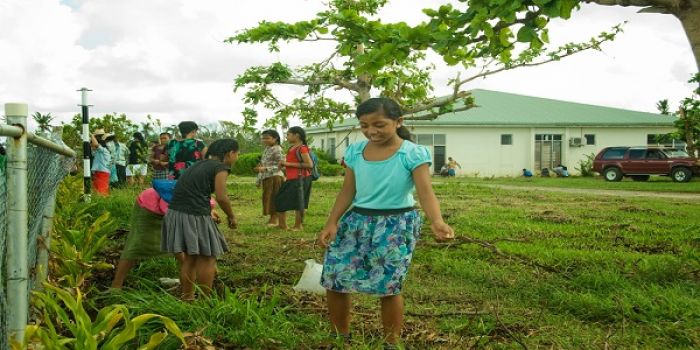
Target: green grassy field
[655, 183]
[527, 270]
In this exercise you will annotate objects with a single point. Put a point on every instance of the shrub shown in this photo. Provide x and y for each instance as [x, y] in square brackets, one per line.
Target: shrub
[329, 169]
[585, 166]
[246, 163]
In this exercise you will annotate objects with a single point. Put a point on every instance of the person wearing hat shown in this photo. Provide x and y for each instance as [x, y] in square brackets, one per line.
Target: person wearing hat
[101, 162]
[183, 153]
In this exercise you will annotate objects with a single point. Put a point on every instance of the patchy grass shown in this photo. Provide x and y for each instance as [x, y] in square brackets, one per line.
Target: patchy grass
[655, 183]
[527, 270]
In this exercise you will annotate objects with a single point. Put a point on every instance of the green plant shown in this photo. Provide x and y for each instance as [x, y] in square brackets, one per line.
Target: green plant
[328, 169]
[78, 236]
[246, 163]
[67, 325]
[585, 166]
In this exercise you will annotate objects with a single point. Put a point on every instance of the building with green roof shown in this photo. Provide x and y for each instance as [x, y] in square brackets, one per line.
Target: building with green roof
[508, 132]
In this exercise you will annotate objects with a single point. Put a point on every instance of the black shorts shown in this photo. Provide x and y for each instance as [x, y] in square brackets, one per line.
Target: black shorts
[294, 195]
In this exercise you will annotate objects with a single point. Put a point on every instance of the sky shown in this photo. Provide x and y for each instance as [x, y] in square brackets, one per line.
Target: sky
[167, 58]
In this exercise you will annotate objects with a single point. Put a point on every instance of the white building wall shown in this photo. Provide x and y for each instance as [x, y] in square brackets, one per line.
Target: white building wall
[606, 137]
[479, 149]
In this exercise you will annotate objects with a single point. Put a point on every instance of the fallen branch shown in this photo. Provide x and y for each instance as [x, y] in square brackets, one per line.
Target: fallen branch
[490, 246]
[448, 313]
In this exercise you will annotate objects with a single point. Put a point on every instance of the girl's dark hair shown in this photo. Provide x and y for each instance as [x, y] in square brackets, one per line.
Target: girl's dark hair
[219, 148]
[187, 127]
[299, 131]
[386, 106]
[139, 136]
[272, 133]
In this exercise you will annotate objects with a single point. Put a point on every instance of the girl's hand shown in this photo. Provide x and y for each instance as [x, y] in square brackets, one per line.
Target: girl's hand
[232, 224]
[259, 169]
[215, 216]
[443, 232]
[327, 235]
[282, 164]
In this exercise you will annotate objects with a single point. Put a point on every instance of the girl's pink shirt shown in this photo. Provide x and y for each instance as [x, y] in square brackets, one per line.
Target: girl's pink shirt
[150, 200]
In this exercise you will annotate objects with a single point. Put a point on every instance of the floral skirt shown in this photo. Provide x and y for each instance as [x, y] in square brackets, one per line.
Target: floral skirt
[371, 254]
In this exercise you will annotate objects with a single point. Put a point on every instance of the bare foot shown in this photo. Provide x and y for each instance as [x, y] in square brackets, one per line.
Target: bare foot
[297, 228]
[282, 227]
[271, 224]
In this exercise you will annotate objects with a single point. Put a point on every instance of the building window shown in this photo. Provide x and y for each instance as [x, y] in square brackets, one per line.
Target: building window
[323, 144]
[506, 139]
[347, 142]
[590, 139]
[439, 139]
[424, 139]
[331, 147]
[664, 140]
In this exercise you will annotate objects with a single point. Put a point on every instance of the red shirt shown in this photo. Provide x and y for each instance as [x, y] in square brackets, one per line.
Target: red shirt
[293, 172]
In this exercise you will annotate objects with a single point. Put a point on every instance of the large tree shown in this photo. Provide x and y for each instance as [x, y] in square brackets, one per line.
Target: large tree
[687, 11]
[371, 57]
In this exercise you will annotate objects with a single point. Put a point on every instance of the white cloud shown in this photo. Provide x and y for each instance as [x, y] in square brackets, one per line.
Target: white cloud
[167, 58]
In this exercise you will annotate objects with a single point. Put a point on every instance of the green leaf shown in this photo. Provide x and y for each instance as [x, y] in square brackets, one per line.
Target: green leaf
[526, 34]
[504, 36]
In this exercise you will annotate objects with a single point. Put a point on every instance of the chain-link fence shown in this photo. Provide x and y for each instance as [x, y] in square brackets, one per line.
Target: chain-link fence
[45, 170]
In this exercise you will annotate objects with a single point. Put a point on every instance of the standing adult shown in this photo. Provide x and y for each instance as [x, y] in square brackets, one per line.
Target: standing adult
[452, 166]
[270, 174]
[138, 159]
[185, 152]
[101, 165]
[120, 153]
[296, 190]
[159, 157]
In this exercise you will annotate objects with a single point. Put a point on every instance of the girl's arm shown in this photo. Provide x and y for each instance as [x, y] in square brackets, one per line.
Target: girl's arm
[429, 203]
[222, 197]
[93, 141]
[342, 202]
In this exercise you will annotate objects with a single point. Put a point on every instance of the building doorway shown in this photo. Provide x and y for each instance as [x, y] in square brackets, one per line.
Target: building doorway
[547, 150]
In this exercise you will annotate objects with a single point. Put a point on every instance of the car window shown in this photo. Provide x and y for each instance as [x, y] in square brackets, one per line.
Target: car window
[614, 153]
[637, 153]
[676, 153]
[654, 154]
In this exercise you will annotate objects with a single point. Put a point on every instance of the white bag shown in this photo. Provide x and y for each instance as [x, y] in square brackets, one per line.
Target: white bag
[310, 280]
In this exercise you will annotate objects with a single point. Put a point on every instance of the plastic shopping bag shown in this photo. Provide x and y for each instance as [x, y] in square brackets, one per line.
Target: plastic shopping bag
[310, 281]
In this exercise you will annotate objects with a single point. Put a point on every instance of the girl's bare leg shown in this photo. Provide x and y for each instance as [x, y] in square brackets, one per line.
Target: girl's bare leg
[339, 311]
[206, 271]
[188, 275]
[392, 317]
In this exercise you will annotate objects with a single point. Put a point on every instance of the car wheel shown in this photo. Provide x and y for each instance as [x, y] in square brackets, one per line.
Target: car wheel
[612, 174]
[681, 174]
[640, 177]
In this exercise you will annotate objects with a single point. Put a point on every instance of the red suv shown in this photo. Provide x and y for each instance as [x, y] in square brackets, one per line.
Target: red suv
[640, 162]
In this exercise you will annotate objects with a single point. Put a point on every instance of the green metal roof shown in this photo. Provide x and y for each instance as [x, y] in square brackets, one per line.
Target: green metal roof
[496, 108]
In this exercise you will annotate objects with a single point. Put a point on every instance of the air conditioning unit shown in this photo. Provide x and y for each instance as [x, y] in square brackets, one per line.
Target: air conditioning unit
[575, 142]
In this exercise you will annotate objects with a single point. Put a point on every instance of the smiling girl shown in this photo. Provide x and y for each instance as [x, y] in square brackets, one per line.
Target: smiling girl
[370, 250]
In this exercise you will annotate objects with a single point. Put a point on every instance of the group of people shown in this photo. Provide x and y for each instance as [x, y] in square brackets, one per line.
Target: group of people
[559, 170]
[370, 234]
[115, 164]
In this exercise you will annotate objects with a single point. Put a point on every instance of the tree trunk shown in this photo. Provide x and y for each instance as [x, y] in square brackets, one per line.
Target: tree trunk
[690, 18]
[687, 11]
[363, 81]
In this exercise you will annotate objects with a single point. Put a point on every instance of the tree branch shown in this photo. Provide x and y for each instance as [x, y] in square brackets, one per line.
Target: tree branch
[338, 82]
[668, 4]
[436, 103]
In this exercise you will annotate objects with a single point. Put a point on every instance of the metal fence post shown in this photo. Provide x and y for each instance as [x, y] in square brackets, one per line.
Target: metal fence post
[17, 230]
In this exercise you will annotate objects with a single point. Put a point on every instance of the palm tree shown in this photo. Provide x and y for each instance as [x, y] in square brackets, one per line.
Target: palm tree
[43, 121]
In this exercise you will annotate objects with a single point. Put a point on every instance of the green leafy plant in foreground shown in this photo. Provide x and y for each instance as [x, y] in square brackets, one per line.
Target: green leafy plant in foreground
[78, 237]
[67, 325]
